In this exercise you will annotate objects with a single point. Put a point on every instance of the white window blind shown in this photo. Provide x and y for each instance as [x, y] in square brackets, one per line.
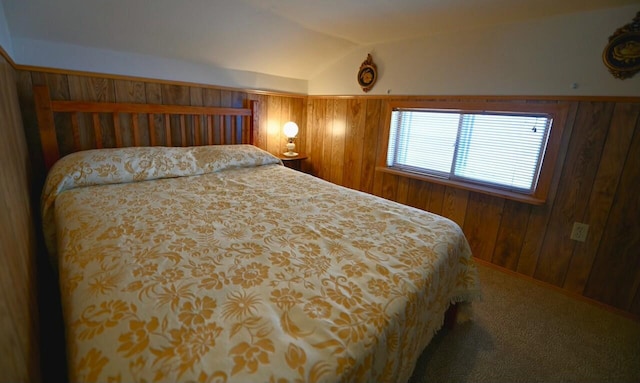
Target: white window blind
[503, 150]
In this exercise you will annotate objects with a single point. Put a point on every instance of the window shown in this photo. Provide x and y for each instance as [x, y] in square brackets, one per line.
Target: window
[503, 151]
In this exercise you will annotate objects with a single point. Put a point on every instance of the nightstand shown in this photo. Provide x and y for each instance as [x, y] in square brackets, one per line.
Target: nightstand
[293, 162]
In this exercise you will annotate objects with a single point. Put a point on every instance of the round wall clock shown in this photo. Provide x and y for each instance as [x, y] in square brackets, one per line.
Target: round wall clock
[368, 74]
[622, 53]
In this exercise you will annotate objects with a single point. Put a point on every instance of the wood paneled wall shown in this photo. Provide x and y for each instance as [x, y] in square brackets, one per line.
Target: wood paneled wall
[18, 288]
[596, 182]
[595, 179]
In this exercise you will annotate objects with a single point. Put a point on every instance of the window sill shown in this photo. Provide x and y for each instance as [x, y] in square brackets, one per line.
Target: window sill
[467, 186]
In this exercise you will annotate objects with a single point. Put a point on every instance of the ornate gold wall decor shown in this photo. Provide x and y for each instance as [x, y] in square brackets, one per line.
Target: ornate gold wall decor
[368, 74]
[622, 53]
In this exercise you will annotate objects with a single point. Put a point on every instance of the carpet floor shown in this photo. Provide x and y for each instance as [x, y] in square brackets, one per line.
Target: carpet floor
[524, 332]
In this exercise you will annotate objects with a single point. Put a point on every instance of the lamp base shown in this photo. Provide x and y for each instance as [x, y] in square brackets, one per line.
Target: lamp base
[290, 154]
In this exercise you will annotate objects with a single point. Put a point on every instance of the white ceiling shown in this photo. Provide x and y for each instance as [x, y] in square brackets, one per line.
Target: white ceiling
[289, 38]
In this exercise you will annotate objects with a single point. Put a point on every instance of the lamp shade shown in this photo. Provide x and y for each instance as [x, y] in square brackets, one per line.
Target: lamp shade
[290, 129]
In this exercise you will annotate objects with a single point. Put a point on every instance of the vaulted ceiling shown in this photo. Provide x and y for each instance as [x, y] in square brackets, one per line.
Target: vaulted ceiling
[288, 38]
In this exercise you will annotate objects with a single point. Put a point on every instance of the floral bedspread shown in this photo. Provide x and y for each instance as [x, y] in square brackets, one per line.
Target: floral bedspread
[218, 264]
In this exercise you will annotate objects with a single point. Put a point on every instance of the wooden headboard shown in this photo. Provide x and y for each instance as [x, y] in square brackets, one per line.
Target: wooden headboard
[71, 126]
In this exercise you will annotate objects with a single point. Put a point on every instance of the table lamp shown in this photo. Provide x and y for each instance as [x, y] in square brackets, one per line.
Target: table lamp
[290, 130]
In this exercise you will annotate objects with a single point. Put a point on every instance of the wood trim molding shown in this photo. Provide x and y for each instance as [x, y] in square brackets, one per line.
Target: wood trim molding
[6, 56]
[473, 98]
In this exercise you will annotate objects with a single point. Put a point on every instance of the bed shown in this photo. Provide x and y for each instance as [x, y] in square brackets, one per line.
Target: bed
[216, 263]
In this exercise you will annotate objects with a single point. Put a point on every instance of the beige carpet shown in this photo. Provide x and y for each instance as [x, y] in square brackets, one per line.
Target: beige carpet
[525, 332]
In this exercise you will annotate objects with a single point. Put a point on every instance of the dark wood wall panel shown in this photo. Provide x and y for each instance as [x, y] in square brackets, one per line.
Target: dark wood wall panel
[616, 268]
[354, 139]
[595, 182]
[614, 155]
[578, 174]
[540, 215]
[372, 134]
[511, 233]
[484, 214]
[327, 141]
[455, 204]
[18, 287]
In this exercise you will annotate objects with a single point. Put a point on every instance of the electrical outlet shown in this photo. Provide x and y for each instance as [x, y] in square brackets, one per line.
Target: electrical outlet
[579, 232]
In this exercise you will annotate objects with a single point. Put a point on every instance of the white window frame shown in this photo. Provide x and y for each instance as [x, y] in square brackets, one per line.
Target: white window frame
[537, 195]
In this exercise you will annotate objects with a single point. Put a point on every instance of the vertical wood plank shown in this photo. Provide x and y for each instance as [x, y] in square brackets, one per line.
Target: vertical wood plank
[436, 198]
[238, 101]
[620, 133]
[370, 147]
[454, 205]
[226, 99]
[137, 139]
[513, 228]
[24, 87]
[233, 130]
[45, 120]
[168, 137]
[19, 356]
[117, 130]
[221, 133]
[132, 92]
[93, 89]
[617, 262]
[183, 130]
[75, 131]
[211, 97]
[209, 129]
[153, 137]
[584, 153]
[540, 215]
[263, 107]
[403, 190]
[381, 132]
[274, 125]
[338, 141]
[285, 116]
[58, 84]
[97, 131]
[389, 186]
[482, 222]
[354, 142]
[327, 140]
[297, 114]
[175, 95]
[198, 130]
[319, 107]
[196, 98]
[418, 194]
[153, 94]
